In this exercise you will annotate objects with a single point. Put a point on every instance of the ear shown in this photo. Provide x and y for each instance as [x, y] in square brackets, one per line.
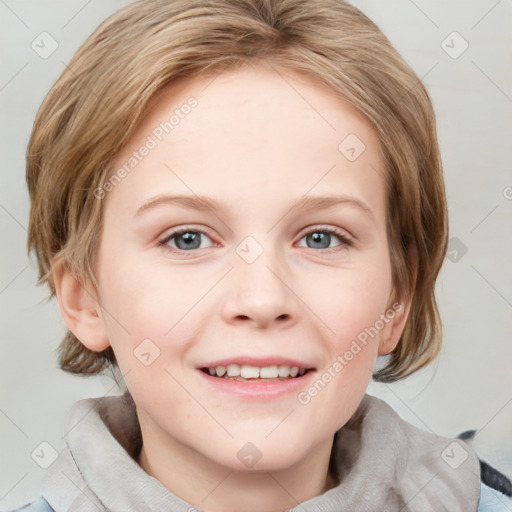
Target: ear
[398, 310]
[79, 309]
[397, 314]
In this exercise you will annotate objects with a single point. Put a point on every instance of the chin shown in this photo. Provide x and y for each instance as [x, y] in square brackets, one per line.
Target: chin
[257, 454]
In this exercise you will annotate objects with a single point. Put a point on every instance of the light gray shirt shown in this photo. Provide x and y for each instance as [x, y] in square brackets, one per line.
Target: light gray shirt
[384, 464]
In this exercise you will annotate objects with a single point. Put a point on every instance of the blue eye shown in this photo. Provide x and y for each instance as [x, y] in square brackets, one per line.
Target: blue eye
[188, 239]
[185, 240]
[321, 238]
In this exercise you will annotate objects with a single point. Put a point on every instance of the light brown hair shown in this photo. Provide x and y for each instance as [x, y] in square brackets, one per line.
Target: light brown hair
[98, 101]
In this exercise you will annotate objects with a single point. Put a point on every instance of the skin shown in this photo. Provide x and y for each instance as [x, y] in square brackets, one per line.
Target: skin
[256, 144]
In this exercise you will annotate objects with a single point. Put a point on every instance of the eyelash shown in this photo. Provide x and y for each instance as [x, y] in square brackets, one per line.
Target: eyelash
[345, 240]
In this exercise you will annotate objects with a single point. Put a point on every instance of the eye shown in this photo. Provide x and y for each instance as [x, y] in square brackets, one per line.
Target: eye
[188, 239]
[184, 240]
[321, 238]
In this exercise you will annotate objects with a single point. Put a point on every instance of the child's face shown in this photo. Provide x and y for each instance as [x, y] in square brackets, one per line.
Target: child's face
[256, 142]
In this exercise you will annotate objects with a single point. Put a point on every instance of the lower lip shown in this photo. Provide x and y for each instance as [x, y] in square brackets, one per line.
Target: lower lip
[261, 390]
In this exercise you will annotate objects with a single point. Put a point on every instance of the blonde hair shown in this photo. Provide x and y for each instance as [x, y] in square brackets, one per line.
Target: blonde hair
[98, 101]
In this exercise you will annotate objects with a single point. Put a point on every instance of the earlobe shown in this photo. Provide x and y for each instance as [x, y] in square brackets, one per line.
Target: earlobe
[79, 309]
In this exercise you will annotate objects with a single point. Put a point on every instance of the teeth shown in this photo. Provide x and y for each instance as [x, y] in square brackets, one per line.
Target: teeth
[254, 372]
[233, 370]
[269, 372]
[250, 372]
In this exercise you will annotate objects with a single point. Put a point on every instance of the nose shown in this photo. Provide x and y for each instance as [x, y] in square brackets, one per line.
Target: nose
[260, 293]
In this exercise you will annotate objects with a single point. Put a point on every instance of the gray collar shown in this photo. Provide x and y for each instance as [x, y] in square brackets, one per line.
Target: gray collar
[383, 463]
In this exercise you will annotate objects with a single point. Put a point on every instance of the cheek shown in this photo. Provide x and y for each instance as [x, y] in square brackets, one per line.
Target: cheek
[149, 309]
[149, 299]
[354, 301]
[351, 309]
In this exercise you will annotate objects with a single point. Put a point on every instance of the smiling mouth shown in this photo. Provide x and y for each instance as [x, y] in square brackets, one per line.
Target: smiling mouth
[248, 373]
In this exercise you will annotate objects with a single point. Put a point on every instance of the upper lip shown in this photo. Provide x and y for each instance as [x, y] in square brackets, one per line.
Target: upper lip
[258, 361]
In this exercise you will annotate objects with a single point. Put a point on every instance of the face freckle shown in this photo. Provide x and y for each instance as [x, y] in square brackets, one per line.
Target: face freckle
[282, 253]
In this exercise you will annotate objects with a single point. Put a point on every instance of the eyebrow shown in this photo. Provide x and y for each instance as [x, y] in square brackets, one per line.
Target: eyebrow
[202, 203]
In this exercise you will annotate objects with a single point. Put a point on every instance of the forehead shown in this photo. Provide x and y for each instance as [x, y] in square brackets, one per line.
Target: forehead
[253, 131]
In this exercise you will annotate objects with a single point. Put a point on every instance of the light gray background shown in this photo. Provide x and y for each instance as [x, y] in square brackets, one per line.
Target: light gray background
[471, 384]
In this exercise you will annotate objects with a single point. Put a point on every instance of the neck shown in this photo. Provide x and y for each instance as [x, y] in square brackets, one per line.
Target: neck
[215, 488]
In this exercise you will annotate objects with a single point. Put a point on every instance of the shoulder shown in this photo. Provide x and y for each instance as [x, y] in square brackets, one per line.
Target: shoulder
[492, 500]
[39, 505]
